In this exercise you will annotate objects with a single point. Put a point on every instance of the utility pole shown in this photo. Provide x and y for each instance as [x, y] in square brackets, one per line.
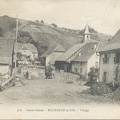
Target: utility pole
[16, 37]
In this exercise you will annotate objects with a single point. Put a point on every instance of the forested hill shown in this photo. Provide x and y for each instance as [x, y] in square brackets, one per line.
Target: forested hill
[44, 35]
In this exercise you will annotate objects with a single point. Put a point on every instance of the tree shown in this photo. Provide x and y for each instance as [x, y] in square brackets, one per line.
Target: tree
[37, 21]
[19, 55]
[42, 21]
[54, 25]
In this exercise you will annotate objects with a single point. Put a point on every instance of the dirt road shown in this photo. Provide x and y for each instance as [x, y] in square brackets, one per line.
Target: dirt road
[42, 91]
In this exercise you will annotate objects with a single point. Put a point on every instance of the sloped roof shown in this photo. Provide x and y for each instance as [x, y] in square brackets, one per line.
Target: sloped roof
[70, 52]
[6, 49]
[116, 37]
[86, 51]
[114, 43]
[109, 47]
[31, 47]
[49, 51]
[25, 46]
[54, 48]
[59, 48]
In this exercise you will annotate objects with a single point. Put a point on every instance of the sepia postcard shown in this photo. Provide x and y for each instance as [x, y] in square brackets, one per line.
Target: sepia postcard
[59, 59]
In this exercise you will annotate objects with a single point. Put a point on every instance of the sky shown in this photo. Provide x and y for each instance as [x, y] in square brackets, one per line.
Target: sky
[102, 15]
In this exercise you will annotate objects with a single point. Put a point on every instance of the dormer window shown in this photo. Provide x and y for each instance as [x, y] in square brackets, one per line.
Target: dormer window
[79, 54]
[94, 47]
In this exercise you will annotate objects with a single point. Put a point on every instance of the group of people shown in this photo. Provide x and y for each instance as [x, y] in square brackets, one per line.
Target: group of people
[49, 72]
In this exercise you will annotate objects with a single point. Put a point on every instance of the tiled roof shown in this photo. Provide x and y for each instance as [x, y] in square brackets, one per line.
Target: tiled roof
[24, 46]
[49, 51]
[86, 51]
[109, 47]
[116, 37]
[59, 48]
[31, 47]
[70, 52]
[6, 49]
[52, 49]
[114, 43]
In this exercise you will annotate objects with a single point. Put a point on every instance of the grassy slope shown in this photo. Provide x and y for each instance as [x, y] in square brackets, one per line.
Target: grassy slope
[43, 36]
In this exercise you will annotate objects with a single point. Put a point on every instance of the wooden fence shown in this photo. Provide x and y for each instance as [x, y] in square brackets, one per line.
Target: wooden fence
[7, 83]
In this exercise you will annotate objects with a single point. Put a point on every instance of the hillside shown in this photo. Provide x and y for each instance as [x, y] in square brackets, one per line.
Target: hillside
[43, 35]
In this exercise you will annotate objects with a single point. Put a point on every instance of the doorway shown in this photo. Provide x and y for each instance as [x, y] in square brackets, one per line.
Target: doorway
[104, 76]
[117, 73]
[76, 70]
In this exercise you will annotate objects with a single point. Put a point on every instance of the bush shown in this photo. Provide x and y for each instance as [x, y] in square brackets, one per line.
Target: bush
[98, 89]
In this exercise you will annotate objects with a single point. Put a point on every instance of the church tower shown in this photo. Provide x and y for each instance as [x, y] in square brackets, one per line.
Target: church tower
[86, 36]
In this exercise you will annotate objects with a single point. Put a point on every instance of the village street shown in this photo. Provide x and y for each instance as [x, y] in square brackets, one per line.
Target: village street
[43, 91]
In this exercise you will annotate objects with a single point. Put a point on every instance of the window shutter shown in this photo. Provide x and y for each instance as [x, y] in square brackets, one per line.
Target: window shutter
[108, 55]
[103, 60]
[114, 59]
[108, 60]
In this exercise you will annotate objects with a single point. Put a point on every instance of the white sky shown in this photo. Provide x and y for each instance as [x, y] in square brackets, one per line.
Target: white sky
[102, 15]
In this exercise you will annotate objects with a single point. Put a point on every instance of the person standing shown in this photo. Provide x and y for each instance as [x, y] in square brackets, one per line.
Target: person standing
[113, 84]
[29, 77]
[27, 74]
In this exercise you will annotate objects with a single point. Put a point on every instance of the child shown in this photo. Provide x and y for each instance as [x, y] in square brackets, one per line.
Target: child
[29, 77]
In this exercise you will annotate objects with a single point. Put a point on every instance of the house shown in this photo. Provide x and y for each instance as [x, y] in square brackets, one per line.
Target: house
[80, 57]
[26, 52]
[110, 60]
[64, 61]
[6, 57]
[85, 59]
[52, 54]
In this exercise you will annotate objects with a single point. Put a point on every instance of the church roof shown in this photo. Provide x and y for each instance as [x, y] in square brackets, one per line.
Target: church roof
[86, 30]
[86, 52]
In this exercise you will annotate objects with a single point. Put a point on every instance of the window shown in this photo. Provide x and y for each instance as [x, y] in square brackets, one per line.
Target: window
[105, 76]
[106, 58]
[96, 64]
[117, 58]
[76, 70]
[79, 54]
[95, 46]
[81, 63]
[80, 70]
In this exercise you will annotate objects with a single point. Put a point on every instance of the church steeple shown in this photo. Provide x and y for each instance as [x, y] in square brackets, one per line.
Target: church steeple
[86, 36]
